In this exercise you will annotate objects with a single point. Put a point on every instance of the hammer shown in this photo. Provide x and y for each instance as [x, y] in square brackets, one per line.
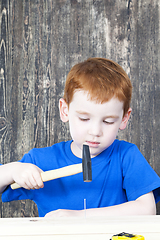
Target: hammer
[84, 167]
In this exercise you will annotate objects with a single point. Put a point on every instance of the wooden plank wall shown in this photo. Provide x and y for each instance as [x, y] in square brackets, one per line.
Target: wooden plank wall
[40, 40]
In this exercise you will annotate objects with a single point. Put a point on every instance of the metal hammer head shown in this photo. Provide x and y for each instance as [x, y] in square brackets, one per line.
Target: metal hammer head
[86, 164]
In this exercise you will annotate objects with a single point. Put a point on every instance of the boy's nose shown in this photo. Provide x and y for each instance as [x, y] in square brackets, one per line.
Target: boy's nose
[95, 130]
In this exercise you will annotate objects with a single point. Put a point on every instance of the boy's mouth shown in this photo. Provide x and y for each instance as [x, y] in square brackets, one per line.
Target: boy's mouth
[93, 144]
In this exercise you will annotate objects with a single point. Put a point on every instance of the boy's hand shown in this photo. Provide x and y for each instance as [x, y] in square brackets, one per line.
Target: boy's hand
[65, 213]
[27, 175]
[144, 205]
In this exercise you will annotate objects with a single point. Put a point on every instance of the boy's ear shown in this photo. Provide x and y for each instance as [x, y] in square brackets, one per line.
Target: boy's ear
[63, 108]
[125, 119]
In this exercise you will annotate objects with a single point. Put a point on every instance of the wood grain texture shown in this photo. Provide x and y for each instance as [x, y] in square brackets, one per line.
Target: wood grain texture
[80, 228]
[41, 40]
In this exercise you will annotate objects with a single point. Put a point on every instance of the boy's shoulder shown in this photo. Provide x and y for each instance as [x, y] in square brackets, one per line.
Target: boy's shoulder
[117, 151]
[48, 157]
[56, 150]
[61, 146]
[123, 145]
[123, 149]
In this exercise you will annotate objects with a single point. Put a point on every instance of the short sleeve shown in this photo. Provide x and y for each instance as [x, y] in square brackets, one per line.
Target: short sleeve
[138, 176]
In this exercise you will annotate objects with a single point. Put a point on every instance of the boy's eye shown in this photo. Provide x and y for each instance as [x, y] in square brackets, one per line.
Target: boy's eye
[83, 119]
[108, 122]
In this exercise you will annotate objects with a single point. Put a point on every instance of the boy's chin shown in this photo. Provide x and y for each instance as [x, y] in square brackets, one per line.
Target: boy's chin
[94, 152]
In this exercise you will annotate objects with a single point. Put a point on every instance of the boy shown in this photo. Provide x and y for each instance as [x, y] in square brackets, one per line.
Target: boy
[96, 103]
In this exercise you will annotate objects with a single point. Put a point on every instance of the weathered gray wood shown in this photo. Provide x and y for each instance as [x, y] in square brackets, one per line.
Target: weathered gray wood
[41, 40]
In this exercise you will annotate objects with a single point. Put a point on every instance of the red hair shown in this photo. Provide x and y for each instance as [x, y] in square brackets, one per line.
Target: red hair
[103, 79]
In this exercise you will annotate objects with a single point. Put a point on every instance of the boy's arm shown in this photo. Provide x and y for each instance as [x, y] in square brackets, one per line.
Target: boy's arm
[26, 175]
[144, 205]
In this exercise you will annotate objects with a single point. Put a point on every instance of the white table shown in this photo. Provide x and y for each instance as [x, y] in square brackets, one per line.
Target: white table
[78, 228]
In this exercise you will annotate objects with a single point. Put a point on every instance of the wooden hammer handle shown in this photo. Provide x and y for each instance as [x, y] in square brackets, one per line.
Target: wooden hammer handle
[57, 173]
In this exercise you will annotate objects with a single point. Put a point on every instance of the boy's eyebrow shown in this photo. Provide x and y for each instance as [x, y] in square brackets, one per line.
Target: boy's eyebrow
[86, 113]
[81, 112]
[112, 116]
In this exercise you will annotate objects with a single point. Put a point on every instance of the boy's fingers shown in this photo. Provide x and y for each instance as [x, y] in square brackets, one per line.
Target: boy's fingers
[32, 181]
[26, 185]
[28, 176]
[38, 179]
[35, 182]
[32, 184]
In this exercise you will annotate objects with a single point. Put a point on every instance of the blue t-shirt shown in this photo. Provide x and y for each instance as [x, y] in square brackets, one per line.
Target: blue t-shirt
[119, 174]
